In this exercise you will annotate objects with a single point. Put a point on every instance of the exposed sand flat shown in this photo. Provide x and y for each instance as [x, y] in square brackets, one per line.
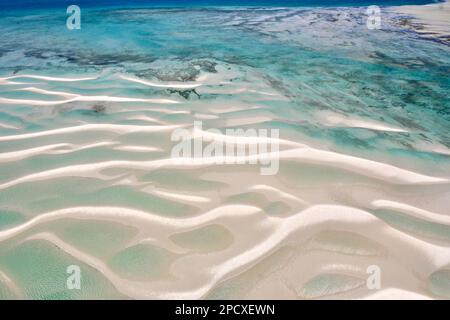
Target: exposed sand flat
[269, 237]
[135, 217]
[369, 168]
[396, 294]
[103, 190]
[155, 109]
[59, 148]
[412, 211]
[138, 149]
[8, 126]
[340, 120]
[56, 79]
[162, 85]
[176, 196]
[119, 129]
[146, 119]
[72, 97]
[434, 19]
[362, 166]
[271, 191]
[83, 98]
[250, 140]
[48, 92]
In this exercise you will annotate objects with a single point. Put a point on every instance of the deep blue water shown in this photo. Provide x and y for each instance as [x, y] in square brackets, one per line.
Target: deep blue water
[32, 4]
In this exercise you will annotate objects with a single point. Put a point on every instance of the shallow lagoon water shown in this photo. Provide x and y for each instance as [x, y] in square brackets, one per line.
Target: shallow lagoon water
[85, 124]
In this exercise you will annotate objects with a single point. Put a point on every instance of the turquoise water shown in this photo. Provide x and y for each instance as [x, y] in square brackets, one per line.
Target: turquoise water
[319, 58]
[29, 4]
[318, 75]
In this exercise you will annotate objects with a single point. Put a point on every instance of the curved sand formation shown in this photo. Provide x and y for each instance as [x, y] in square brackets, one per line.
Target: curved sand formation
[189, 228]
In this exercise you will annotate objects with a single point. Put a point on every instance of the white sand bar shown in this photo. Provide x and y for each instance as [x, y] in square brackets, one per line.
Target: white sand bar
[434, 19]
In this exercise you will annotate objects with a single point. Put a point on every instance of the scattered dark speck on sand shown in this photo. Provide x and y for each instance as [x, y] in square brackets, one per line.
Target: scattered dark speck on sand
[185, 93]
[405, 22]
[99, 108]
[187, 71]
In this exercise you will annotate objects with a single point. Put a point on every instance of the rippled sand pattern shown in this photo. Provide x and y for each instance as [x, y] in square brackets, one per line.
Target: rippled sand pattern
[87, 179]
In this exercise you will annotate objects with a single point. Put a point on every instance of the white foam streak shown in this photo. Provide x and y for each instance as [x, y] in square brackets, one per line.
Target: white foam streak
[84, 98]
[56, 79]
[47, 92]
[162, 85]
[338, 120]
[176, 196]
[59, 148]
[8, 126]
[115, 128]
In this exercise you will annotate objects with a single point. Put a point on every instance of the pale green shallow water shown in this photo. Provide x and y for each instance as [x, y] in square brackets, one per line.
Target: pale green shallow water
[296, 70]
